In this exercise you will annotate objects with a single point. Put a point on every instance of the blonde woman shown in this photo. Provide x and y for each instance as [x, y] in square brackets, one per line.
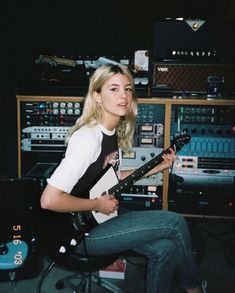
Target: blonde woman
[105, 127]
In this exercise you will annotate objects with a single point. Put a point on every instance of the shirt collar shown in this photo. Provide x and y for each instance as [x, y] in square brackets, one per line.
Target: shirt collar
[106, 131]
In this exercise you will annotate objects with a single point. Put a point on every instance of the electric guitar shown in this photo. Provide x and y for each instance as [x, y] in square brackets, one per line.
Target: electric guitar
[70, 230]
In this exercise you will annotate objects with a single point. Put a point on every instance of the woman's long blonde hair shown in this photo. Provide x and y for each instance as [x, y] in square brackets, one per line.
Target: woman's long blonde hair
[92, 112]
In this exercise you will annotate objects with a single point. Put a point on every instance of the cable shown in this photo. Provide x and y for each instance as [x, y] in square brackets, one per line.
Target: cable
[43, 276]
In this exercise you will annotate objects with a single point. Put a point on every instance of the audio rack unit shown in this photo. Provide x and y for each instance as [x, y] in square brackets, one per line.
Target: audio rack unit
[148, 142]
[44, 122]
[205, 169]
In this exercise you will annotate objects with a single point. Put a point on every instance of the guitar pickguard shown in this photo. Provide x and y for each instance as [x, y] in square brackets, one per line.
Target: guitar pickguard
[108, 180]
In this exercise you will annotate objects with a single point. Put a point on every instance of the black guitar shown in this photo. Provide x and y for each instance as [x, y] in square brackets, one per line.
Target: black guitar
[66, 231]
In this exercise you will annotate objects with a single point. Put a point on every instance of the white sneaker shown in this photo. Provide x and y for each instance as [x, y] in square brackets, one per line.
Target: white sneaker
[204, 286]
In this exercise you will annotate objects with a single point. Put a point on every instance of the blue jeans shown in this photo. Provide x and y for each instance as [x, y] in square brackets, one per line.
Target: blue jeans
[162, 236]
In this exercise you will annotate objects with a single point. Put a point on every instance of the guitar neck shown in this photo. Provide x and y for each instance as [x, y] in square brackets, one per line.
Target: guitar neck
[126, 183]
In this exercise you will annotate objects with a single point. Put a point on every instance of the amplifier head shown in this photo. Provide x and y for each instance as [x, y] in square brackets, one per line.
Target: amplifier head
[194, 40]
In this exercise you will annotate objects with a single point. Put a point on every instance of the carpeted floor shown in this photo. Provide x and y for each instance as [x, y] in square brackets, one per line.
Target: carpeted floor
[213, 242]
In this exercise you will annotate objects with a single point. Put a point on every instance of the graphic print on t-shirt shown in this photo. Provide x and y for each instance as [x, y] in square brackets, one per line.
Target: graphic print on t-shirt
[112, 159]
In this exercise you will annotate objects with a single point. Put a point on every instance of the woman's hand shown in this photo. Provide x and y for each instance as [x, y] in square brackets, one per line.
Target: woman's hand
[168, 159]
[107, 204]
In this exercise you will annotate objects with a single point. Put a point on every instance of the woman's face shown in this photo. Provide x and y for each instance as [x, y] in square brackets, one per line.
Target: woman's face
[115, 98]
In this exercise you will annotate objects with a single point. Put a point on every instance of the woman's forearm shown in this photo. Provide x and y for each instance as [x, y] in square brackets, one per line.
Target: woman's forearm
[59, 201]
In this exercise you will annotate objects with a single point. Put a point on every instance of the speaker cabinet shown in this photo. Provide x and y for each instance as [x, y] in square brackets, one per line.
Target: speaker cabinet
[185, 78]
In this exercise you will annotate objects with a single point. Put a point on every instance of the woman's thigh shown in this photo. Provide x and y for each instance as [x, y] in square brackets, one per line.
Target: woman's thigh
[131, 230]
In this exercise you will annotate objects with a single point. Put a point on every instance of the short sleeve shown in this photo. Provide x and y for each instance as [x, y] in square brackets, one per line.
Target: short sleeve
[83, 149]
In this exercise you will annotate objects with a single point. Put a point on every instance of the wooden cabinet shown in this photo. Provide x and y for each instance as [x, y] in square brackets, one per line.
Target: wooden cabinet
[36, 112]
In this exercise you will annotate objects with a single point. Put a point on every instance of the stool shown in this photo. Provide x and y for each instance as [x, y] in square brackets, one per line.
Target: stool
[83, 268]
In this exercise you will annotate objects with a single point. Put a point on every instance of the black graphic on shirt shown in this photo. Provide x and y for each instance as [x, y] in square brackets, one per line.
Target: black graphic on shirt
[112, 159]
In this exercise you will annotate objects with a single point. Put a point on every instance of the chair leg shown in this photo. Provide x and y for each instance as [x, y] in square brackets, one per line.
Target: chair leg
[44, 275]
[63, 282]
[85, 285]
[88, 283]
[106, 284]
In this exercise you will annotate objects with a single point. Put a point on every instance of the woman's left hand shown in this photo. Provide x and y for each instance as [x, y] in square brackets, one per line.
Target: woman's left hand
[168, 159]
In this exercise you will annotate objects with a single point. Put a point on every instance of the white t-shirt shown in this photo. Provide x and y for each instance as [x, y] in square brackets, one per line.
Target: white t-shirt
[83, 149]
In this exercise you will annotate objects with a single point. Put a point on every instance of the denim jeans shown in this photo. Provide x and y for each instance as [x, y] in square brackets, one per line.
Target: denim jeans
[162, 236]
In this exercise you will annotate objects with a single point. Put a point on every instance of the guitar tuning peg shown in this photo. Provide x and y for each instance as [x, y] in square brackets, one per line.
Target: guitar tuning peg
[73, 242]
[62, 249]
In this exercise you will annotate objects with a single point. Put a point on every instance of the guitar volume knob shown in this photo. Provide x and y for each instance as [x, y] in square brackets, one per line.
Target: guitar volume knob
[62, 249]
[73, 242]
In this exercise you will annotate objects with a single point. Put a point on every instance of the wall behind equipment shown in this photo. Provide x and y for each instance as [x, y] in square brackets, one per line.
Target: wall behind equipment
[78, 27]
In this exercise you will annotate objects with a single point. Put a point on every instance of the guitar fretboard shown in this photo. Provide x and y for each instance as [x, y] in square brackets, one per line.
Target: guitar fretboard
[119, 188]
[122, 186]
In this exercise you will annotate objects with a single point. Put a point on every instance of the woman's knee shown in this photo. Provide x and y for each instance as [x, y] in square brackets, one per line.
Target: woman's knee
[179, 219]
[161, 248]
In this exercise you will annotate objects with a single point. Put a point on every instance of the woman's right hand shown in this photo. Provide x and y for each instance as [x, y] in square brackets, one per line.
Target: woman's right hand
[107, 204]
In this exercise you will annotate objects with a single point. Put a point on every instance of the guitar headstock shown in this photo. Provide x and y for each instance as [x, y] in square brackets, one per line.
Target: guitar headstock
[179, 141]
